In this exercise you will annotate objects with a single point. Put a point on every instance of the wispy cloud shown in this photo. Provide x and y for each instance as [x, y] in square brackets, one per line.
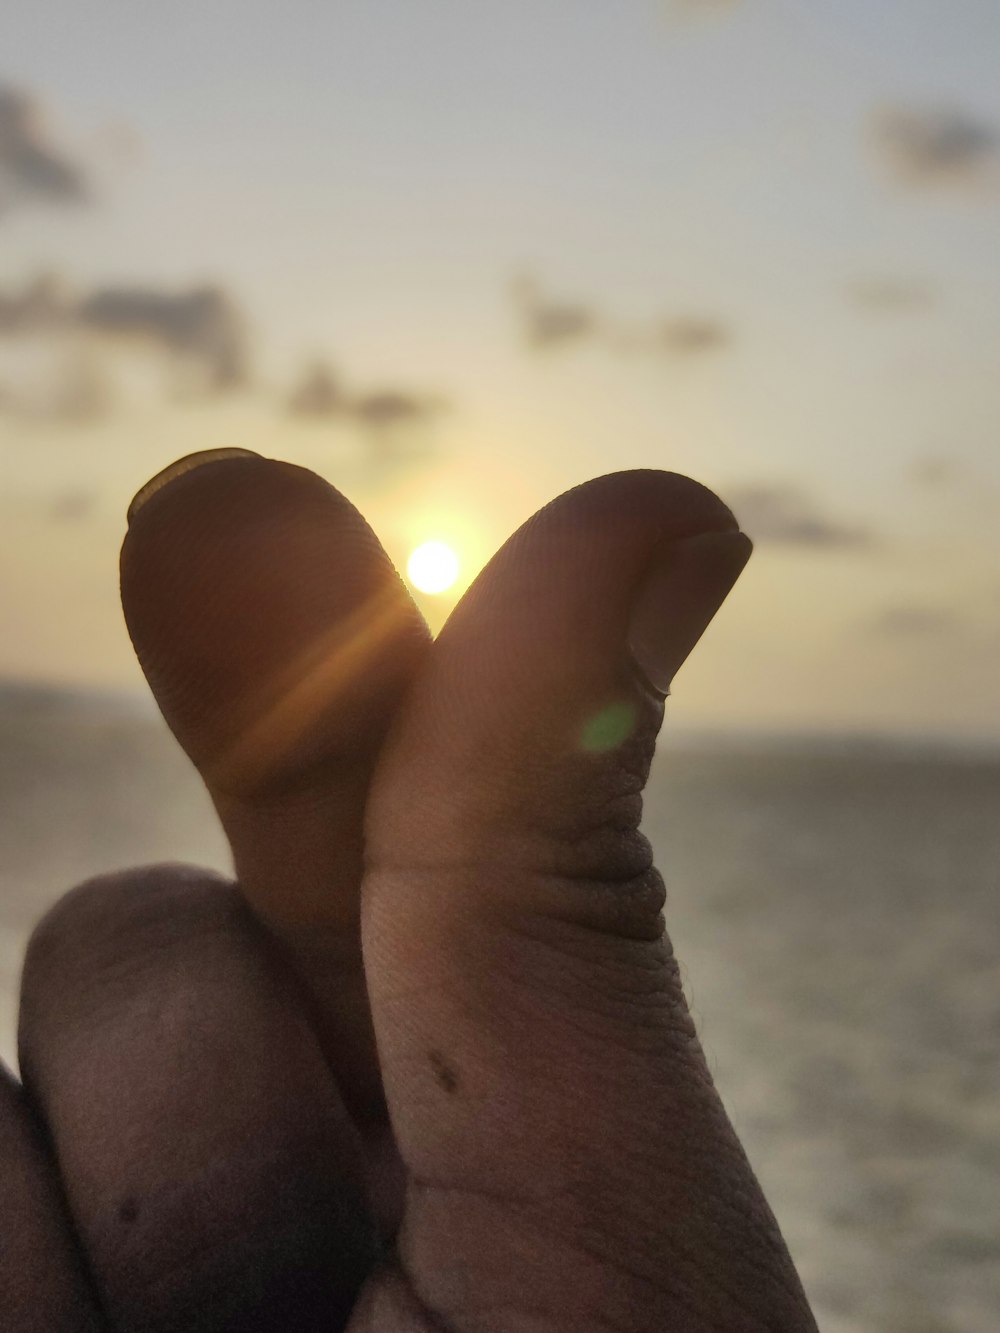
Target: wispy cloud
[34, 169]
[198, 328]
[43, 304]
[203, 325]
[318, 393]
[891, 295]
[938, 147]
[384, 409]
[690, 335]
[550, 322]
[788, 516]
[71, 506]
[70, 387]
[392, 425]
[910, 620]
[321, 393]
[934, 471]
[82, 392]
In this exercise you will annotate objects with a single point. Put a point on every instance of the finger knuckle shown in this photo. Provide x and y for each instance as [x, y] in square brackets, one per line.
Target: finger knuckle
[102, 932]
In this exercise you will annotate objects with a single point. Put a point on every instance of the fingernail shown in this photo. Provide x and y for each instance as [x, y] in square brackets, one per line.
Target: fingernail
[680, 594]
[179, 469]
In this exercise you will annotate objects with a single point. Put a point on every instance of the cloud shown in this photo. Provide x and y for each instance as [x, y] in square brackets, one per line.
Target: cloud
[318, 393]
[34, 169]
[41, 306]
[72, 506]
[81, 393]
[202, 325]
[549, 322]
[911, 620]
[391, 423]
[63, 343]
[73, 388]
[938, 147]
[934, 471]
[553, 322]
[892, 295]
[388, 408]
[786, 515]
[321, 393]
[691, 335]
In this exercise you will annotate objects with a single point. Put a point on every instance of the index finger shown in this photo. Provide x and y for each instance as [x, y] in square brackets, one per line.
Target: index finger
[278, 640]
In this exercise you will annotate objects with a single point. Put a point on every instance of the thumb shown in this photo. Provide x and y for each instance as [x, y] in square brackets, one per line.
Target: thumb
[570, 1163]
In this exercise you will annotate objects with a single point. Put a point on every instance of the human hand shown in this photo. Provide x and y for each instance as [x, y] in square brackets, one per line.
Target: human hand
[439, 1077]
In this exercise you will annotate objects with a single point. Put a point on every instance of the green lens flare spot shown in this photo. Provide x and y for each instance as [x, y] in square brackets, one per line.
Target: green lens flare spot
[609, 728]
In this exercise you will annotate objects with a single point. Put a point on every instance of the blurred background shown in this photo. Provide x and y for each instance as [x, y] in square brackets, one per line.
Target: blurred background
[458, 258]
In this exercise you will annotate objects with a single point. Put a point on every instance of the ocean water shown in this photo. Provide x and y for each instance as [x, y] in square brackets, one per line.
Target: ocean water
[837, 914]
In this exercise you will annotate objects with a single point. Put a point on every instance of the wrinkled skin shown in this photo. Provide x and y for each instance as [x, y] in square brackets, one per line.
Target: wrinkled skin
[427, 1064]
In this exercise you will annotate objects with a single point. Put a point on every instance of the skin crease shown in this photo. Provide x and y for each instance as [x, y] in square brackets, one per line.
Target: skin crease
[427, 1065]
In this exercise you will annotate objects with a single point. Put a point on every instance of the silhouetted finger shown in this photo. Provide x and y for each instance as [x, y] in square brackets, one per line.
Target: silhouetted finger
[43, 1282]
[213, 1174]
[278, 640]
[570, 1163]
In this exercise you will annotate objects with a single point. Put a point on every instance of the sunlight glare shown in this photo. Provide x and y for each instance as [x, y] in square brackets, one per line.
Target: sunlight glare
[432, 567]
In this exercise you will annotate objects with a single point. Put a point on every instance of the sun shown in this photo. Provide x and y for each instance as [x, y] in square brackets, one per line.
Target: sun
[432, 567]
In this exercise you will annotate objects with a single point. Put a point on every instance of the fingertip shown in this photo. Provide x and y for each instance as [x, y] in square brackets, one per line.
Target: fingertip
[686, 585]
[531, 701]
[251, 585]
[179, 468]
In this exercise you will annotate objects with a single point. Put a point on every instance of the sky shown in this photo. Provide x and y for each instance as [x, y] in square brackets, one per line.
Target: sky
[458, 258]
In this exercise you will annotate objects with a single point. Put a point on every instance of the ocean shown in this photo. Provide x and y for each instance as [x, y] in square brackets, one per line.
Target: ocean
[835, 908]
